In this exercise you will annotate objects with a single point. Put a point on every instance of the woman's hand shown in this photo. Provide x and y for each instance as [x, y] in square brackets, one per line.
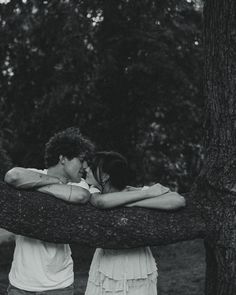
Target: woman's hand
[157, 190]
[132, 188]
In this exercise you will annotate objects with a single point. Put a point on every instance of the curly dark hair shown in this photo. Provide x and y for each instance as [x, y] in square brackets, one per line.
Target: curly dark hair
[69, 143]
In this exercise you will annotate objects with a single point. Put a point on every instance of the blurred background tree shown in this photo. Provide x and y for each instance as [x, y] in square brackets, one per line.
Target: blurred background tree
[128, 73]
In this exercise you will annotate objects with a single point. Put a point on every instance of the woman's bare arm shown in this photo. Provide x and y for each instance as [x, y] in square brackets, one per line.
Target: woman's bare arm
[168, 201]
[116, 199]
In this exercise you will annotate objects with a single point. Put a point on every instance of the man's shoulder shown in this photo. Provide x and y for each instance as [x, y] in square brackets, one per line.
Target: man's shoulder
[43, 171]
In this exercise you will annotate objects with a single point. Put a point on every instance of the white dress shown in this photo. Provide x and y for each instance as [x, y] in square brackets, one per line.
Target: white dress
[122, 272]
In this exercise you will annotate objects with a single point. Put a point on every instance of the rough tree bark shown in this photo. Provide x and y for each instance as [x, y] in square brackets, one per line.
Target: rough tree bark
[41, 216]
[210, 211]
[219, 173]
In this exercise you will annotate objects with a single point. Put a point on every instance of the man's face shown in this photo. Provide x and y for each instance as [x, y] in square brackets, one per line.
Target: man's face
[74, 168]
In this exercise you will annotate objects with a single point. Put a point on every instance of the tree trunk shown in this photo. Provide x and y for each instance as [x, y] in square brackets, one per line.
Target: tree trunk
[219, 172]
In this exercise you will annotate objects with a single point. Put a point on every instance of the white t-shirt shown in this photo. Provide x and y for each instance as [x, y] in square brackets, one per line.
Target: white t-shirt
[40, 266]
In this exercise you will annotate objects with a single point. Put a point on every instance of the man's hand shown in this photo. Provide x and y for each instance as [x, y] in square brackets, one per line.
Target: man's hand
[63, 180]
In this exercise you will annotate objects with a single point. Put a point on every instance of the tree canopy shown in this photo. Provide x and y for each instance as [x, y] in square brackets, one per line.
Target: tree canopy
[128, 73]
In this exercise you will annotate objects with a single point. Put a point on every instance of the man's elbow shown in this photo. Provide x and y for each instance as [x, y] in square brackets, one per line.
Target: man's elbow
[83, 197]
[12, 177]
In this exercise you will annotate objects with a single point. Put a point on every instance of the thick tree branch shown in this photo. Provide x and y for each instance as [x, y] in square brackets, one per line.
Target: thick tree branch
[41, 216]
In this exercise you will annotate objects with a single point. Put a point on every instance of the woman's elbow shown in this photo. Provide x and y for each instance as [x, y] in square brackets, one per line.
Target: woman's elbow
[12, 176]
[183, 201]
[178, 202]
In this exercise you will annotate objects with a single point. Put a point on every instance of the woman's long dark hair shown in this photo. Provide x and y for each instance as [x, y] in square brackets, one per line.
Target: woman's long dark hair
[113, 164]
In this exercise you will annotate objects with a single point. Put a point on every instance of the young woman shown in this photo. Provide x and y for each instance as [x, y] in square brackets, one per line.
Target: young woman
[126, 271]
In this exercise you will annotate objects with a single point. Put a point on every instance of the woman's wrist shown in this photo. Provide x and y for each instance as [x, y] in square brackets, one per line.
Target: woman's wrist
[156, 190]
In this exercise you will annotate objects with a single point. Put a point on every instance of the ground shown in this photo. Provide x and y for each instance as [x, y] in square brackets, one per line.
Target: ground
[181, 267]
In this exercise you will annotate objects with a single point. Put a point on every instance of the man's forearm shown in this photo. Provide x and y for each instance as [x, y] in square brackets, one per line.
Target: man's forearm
[69, 193]
[23, 178]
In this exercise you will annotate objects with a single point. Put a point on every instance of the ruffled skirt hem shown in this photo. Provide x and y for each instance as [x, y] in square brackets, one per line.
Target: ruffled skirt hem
[105, 285]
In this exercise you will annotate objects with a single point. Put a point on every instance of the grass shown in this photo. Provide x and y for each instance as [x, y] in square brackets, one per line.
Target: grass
[181, 267]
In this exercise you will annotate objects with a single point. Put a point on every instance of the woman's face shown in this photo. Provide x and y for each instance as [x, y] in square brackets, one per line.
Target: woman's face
[90, 179]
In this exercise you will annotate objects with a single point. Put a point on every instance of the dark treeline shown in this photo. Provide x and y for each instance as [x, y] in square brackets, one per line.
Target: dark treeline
[128, 73]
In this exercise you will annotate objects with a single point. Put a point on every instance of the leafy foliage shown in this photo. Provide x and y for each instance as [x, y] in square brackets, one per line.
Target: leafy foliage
[6, 163]
[128, 73]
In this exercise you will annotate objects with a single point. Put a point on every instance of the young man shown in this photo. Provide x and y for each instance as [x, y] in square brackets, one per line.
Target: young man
[40, 266]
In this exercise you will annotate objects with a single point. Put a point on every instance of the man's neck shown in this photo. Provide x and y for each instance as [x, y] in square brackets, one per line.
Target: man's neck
[55, 171]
